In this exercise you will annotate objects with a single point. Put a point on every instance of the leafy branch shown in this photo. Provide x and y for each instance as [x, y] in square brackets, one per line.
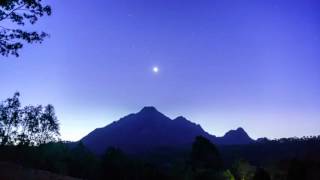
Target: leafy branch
[18, 13]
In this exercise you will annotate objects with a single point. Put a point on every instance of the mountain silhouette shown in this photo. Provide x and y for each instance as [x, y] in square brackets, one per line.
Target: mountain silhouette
[238, 136]
[149, 129]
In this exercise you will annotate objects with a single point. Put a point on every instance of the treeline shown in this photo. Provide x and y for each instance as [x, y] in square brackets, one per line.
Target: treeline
[30, 125]
[283, 159]
[202, 163]
[266, 151]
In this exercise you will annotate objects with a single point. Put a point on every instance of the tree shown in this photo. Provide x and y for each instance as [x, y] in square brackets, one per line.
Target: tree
[261, 174]
[114, 164]
[83, 163]
[206, 162]
[228, 175]
[205, 155]
[243, 170]
[49, 126]
[14, 14]
[9, 119]
[31, 125]
[297, 170]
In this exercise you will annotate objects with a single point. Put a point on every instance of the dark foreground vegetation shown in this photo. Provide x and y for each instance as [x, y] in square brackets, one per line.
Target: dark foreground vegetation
[29, 138]
[279, 160]
[17, 172]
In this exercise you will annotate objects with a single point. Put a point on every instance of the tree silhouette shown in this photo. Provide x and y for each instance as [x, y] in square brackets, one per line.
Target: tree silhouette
[261, 174]
[13, 15]
[31, 125]
[297, 170]
[205, 155]
[49, 126]
[242, 169]
[9, 119]
[114, 164]
[82, 162]
[206, 162]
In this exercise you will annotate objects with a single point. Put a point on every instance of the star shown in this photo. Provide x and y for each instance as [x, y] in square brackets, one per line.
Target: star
[155, 69]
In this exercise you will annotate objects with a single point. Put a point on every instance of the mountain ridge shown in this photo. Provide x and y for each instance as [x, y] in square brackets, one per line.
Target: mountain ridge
[149, 129]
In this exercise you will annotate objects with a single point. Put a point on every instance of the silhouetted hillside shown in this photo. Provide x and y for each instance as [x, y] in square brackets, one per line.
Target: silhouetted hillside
[232, 137]
[150, 129]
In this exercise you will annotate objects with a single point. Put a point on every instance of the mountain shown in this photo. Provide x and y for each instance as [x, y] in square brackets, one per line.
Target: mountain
[238, 136]
[149, 129]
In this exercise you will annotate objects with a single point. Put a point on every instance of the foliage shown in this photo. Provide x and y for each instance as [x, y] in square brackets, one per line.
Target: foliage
[243, 170]
[228, 175]
[82, 163]
[205, 155]
[14, 14]
[10, 118]
[297, 170]
[74, 159]
[48, 125]
[206, 162]
[31, 125]
[261, 174]
[114, 163]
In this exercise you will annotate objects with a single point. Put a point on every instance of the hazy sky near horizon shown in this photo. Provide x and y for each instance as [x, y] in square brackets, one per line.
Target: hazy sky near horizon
[222, 64]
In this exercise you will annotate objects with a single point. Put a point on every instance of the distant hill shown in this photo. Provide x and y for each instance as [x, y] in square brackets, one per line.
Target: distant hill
[149, 129]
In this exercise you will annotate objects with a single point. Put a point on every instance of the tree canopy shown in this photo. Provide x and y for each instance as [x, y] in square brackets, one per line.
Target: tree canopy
[31, 125]
[206, 162]
[14, 14]
[205, 155]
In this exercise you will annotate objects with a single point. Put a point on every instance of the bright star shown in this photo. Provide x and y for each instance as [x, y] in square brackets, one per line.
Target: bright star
[155, 69]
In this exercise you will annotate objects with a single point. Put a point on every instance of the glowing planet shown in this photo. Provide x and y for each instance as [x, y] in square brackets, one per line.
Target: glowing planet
[155, 69]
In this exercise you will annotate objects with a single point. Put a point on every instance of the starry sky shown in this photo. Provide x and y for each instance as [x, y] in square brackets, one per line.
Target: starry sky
[222, 64]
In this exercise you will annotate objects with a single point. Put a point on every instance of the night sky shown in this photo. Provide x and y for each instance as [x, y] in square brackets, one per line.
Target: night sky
[221, 63]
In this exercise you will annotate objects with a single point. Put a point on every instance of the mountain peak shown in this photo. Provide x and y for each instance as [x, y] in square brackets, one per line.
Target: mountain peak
[148, 109]
[152, 115]
[238, 136]
[240, 129]
[179, 118]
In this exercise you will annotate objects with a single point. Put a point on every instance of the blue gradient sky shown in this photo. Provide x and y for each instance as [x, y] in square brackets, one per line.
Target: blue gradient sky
[223, 64]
